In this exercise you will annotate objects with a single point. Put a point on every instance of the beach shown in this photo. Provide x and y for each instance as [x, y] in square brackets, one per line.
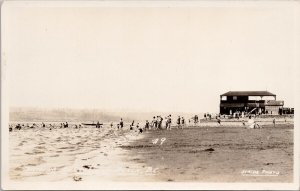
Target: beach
[68, 154]
[203, 153]
[219, 154]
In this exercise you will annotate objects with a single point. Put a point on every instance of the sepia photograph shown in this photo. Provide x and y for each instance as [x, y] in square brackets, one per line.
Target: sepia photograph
[162, 95]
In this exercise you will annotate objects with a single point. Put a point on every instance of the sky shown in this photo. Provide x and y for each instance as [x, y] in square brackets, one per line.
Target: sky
[146, 58]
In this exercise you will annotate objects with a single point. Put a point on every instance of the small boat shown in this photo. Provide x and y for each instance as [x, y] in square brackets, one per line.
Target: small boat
[91, 124]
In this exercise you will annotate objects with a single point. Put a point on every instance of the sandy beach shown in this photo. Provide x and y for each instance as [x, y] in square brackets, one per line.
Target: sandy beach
[219, 154]
[206, 153]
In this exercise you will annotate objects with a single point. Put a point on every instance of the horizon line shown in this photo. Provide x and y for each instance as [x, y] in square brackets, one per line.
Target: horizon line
[105, 109]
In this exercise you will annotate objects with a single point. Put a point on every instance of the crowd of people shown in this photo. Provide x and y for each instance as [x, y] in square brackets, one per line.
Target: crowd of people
[155, 124]
[43, 125]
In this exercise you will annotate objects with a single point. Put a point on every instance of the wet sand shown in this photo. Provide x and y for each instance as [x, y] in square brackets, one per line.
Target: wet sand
[218, 154]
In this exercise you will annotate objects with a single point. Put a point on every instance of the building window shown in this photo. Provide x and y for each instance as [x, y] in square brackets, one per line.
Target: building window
[234, 97]
[224, 98]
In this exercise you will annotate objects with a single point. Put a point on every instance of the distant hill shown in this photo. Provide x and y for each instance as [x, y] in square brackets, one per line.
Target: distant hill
[81, 115]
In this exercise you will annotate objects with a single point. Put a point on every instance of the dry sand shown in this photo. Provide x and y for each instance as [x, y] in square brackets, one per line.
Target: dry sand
[219, 154]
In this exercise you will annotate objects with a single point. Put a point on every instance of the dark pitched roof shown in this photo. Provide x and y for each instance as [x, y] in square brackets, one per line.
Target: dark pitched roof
[248, 93]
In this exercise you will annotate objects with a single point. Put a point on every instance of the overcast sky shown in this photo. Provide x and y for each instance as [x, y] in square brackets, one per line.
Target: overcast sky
[147, 59]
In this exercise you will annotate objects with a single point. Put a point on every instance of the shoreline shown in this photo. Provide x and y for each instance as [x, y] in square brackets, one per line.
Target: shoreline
[99, 157]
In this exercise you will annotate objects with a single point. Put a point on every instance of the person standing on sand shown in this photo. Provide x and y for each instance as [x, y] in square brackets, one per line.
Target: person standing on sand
[111, 125]
[166, 118]
[178, 122]
[219, 121]
[147, 125]
[169, 121]
[243, 122]
[182, 122]
[251, 122]
[153, 123]
[159, 122]
[158, 119]
[274, 122]
[196, 120]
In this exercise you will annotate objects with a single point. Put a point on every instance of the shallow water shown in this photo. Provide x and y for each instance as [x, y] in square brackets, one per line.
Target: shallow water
[61, 153]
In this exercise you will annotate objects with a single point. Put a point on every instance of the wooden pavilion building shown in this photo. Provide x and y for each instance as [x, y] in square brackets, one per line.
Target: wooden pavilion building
[250, 102]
